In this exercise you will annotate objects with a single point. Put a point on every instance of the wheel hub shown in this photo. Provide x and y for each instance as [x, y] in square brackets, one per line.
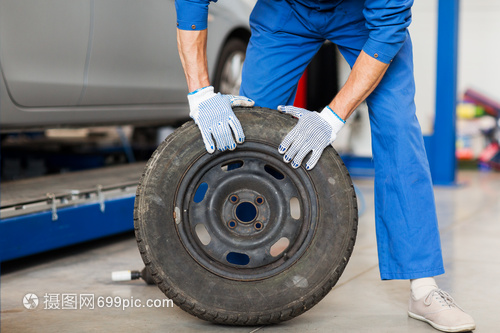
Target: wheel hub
[246, 212]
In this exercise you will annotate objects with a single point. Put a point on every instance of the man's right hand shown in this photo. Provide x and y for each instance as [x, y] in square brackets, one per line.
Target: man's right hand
[215, 118]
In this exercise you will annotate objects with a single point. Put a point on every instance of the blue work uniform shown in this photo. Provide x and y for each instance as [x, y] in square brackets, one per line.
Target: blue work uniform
[285, 36]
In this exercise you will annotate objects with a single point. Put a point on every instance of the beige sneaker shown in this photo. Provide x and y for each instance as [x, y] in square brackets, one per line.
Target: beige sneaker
[440, 310]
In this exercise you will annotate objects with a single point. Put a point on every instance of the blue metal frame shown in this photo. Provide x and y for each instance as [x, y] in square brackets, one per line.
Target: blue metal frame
[441, 151]
[34, 233]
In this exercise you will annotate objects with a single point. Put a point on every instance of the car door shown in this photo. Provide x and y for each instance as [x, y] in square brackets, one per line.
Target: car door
[43, 49]
[133, 56]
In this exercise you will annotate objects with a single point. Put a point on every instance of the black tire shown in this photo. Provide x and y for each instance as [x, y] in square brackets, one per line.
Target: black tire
[146, 276]
[227, 78]
[202, 279]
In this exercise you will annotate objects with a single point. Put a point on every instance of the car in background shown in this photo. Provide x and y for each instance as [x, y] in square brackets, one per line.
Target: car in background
[89, 62]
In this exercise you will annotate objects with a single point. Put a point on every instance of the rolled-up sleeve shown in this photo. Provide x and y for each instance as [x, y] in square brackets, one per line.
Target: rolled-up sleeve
[387, 21]
[192, 14]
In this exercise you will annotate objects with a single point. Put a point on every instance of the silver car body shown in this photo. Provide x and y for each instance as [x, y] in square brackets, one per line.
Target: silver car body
[95, 62]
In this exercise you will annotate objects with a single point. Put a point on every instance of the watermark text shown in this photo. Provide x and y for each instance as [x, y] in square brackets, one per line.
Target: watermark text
[74, 301]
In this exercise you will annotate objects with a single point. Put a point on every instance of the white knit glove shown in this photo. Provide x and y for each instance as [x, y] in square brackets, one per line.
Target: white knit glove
[214, 116]
[314, 132]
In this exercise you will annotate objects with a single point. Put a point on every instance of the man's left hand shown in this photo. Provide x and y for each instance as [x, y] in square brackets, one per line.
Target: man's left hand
[314, 132]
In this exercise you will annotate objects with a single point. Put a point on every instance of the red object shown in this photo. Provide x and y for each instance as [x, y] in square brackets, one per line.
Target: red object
[489, 152]
[301, 95]
[465, 154]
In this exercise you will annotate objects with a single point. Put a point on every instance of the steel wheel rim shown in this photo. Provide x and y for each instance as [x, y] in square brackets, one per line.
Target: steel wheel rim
[255, 183]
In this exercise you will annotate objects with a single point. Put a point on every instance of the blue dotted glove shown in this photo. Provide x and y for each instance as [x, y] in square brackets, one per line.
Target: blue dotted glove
[215, 118]
[314, 132]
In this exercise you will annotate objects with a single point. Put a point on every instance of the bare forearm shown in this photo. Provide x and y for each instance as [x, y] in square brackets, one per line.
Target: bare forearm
[364, 78]
[192, 46]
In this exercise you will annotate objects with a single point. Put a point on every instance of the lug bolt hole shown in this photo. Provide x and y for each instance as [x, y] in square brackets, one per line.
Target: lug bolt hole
[258, 225]
[259, 200]
[232, 224]
[234, 198]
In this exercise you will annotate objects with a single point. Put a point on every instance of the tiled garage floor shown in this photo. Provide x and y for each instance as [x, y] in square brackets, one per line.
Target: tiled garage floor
[470, 230]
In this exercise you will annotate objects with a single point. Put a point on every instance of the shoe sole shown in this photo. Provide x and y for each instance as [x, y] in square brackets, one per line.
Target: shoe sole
[463, 328]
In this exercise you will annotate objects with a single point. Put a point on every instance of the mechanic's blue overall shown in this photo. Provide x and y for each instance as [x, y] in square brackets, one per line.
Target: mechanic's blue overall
[285, 36]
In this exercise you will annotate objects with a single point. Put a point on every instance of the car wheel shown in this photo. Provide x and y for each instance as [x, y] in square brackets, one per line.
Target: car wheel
[239, 237]
[227, 79]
